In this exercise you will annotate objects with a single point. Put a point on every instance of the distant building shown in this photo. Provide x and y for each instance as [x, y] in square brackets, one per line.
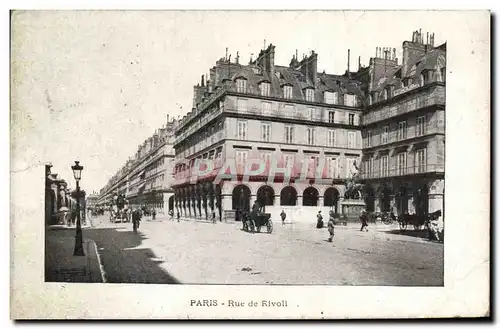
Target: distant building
[404, 129]
[146, 178]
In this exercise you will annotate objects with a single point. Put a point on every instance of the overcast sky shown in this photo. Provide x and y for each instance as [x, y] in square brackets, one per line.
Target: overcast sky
[91, 86]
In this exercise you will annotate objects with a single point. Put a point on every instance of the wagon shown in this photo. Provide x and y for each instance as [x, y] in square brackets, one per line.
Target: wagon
[255, 223]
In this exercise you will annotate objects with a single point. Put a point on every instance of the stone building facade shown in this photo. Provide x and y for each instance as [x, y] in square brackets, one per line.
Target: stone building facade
[58, 199]
[403, 129]
[146, 178]
[282, 116]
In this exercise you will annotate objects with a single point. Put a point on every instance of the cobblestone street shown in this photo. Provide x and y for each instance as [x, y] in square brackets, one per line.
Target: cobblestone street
[165, 251]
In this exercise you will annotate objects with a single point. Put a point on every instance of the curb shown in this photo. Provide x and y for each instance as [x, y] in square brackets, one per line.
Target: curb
[101, 267]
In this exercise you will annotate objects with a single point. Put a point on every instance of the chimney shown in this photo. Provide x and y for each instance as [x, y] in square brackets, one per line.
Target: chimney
[412, 50]
[226, 53]
[348, 62]
[168, 118]
[359, 63]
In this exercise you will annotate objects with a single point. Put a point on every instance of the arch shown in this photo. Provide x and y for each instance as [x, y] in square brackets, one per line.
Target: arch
[310, 196]
[171, 203]
[421, 200]
[402, 200]
[265, 195]
[288, 196]
[241, 197]
[370, 199]
[331, 198]
[385, 199]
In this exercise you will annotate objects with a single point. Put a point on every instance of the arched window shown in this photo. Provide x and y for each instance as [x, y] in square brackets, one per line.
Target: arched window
[310, 197]
[265, 195]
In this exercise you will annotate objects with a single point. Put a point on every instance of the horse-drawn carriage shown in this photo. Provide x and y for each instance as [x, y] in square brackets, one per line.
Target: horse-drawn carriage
[255, 219]
[432, 222]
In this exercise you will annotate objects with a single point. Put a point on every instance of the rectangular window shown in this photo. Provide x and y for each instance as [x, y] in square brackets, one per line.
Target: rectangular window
[351, 139]
[349, 100]
[211, 154]
[331, 116]
[332, 167]
[368, 138]
[420, 161]
[385, 135]
[310, 113]
[289, 134]
[241, 157]
[369, 167]
[310, 95]
[310, 136]
[443, 74]
[242, 130]
[420, 126]
[265, 157]
[402, 163]
[331, 138]
[266, 132]
[287, 92]
[241, 85]
[329, 97]
[242, 104]
[266, 107]
[351, 119]
[265, 89]
[401, 130]
[384, 166]
[289, 160]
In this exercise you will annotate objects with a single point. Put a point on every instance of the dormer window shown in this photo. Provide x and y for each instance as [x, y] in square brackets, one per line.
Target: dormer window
[287, 92]
[310, 95]
[406, 82]
[331, 97]
[350, 100]
[241, 85]
[265, 88]
[384, 97]
[375, 96]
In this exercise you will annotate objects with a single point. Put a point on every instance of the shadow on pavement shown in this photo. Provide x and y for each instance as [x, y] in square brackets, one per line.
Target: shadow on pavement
[123, 259]
[410, 232]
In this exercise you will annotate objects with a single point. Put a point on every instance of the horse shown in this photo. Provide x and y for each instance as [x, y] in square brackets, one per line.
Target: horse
[418, 221]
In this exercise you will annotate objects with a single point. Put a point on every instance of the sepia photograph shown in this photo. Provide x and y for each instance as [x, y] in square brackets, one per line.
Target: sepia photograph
[240, 149]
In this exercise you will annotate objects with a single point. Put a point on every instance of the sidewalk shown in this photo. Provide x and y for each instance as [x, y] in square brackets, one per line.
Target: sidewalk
[62, 266]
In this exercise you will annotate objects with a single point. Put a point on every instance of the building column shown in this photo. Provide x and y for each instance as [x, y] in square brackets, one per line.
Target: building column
[299, 200]
[393, 206]
[321, 201]
[436, 196]
[193, 201]
[377, 204]
[340, 210]
[411, 204]
[277, 200]
[226, 204]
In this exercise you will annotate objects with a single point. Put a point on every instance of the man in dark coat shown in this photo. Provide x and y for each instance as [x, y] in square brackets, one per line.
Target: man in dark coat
[364, 221]
[283, 217]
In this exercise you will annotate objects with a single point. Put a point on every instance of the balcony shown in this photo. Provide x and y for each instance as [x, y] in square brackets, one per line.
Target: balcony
[202, 145]
[394, 137]
[425, 98]
[397, 172]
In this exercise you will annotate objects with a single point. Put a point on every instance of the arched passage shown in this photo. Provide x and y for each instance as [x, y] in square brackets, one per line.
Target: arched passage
[385, 199]
[241, 197]
[171, 203]
[370, 199]
[421, 200]
[331, 198]
[310, 197]
[402, 200]
[265, 195]
[288, 196]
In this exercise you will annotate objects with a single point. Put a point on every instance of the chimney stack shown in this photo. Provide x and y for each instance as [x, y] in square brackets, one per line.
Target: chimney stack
[348, 62]
[203, 80]
[359, 63]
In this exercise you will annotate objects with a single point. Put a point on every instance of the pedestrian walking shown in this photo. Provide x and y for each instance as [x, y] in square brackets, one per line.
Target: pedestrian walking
[319, 223]
[136, 219]
[178, 217]
[154, 214]
[283, 216]
[331, 229]
[364, 221]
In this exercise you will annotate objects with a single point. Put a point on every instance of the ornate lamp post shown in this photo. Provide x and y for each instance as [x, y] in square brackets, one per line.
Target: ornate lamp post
[77, 172]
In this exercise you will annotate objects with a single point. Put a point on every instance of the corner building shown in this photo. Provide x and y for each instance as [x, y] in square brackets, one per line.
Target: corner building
[403, 129]
[291, 115]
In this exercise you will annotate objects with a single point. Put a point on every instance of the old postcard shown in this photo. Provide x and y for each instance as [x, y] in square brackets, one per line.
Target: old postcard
[250, 164]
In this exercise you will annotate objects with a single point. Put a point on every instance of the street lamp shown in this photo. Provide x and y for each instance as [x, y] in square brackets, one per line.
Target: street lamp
[77, 172]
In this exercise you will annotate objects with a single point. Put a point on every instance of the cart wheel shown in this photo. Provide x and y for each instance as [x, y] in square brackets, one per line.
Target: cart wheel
[269, 226]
